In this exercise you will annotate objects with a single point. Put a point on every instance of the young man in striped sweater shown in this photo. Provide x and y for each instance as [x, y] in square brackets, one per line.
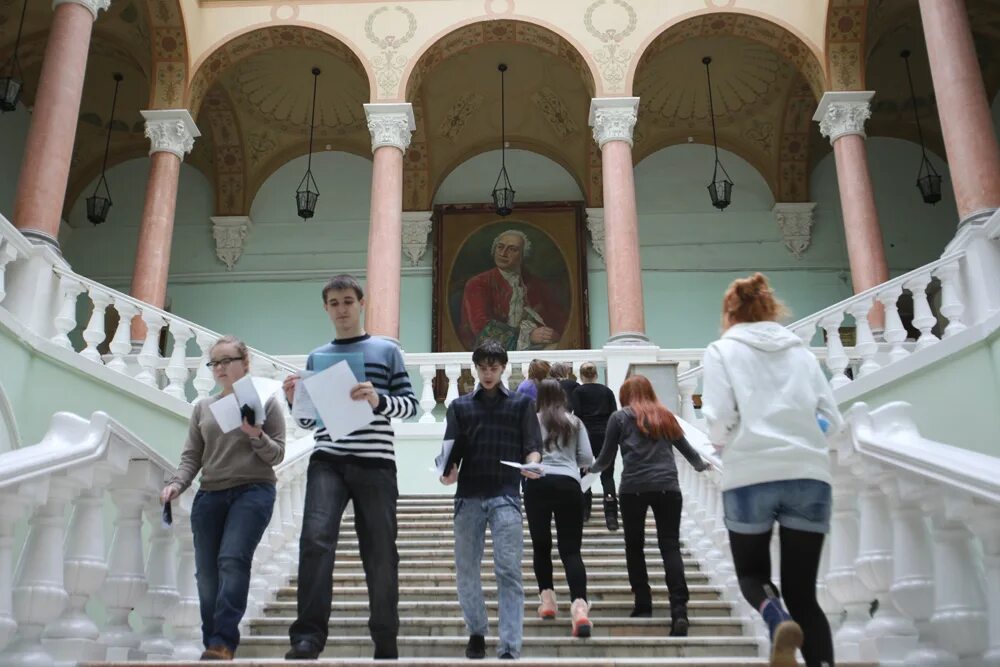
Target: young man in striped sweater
[360, 467]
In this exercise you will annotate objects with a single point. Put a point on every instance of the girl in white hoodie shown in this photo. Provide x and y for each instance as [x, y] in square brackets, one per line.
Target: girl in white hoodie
[762, 392]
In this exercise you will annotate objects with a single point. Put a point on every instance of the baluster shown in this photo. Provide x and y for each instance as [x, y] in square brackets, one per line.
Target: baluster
[126, 581]
[73, 638]
[952, 304]
[185, 616]
[894, 333]
[988, 530]
[826, 600]
[121, 343]
[161, 591]
[959, 621]
[836, 358]
[149, 355]
[427, 402]
[285, 528]
[177, 370]
[204, 381]
[66, 319]
[94, 333]
[8, 253]
[864, 343]
[452, 373]
[11, 510]
[887, 634]
[39, 594]
[686, 389]
[923, 318]
[504, 376]
[842, 579]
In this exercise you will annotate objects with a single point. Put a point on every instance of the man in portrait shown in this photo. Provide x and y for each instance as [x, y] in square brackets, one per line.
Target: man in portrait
[509, 304]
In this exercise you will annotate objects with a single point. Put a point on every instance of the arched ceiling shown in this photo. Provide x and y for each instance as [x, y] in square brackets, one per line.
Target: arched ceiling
[455, 89]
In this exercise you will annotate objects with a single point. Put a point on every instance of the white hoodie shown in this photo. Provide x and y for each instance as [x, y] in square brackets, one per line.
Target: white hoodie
[762, 390]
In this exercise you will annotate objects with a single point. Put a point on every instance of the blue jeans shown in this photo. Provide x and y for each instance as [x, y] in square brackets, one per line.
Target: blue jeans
[503, 515]
[227, 526]
[799, 504]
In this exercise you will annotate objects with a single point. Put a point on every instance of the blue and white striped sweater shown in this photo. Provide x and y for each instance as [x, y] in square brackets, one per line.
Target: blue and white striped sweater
[384, 368]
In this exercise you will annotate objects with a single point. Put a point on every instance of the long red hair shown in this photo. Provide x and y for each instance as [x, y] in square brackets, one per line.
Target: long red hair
[652, 417]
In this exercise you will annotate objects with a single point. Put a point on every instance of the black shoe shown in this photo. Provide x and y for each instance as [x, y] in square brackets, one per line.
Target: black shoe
[506, 656]
[679, 627]
[476, 648]
[611, 513]
[302, 650]
[386, 653]
[642, 611]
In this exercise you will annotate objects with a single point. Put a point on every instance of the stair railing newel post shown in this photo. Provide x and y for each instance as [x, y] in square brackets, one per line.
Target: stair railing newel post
[864, 345]
[895, 333]
[952, 299]
[65, 320]
[149, 354]
[161, 593]
[185, 616]
[923, 318]
[94, 333]
[73, 637]
[427, 402]
[177, 370]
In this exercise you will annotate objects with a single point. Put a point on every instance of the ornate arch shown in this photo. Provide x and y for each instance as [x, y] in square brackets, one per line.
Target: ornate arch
[169, 54]
[256, 40]
[845, 44]
[228, 154]
[793, 156]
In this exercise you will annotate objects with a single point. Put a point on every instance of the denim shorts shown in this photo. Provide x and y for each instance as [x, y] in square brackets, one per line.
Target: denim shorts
[799, 504]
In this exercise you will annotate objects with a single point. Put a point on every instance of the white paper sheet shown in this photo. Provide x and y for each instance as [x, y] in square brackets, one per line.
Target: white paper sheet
[588, 480]
[536, 468]
[330, 391]
[226, 411]
[441, 460]
[302, 404]
[246, 394]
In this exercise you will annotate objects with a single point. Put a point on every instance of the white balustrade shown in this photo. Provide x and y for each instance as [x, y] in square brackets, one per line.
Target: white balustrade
[453, 373]
[836, 357]
[10, 512]
[842, 580]
[177, 371]
[65, 321]
[959, 620]
[204, 381]
[149, 355]
[8, 253]
[185, 616]
[987, 528]
[952, 303]
[923, 318]
[161, 590]
[427, 400]
[94, 333]
[864, 345]
[121, 342]
[895, 332]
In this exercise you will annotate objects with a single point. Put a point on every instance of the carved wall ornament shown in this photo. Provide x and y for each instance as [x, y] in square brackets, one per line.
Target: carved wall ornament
[170, 131]
[595, 225]
[555, 111]
[613, 118]
[613, 58]
[417, 226]
[230, 233]
[390, 125]
[841, 113]
[795, 220]
[389, 64]
[460, 112]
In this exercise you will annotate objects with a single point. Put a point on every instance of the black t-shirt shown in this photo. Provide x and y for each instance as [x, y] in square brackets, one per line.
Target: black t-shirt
[594, 404]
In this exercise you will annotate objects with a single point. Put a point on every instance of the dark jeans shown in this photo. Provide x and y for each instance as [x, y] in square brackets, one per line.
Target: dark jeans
[666, 506]
[328, 488]
[227, 526]
[557, 495]
[800, 554]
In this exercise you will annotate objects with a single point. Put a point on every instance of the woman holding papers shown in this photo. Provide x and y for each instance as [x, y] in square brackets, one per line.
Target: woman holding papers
[233, 506]
[565, 450]
[647, 433]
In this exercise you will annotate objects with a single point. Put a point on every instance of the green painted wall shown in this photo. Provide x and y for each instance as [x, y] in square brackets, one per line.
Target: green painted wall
[13, 134]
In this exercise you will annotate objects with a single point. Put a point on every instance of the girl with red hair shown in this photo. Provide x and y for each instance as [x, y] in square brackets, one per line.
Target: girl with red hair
[647, 432]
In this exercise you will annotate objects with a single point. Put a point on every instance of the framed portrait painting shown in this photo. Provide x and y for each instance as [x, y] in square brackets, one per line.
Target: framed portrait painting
[520, 279]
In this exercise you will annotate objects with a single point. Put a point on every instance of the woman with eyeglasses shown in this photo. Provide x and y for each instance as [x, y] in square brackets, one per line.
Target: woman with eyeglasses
[233, 506]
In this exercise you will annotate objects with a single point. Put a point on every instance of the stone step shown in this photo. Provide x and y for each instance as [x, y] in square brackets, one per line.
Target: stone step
[274, 646]
[597, 592]
[594, 565]
[619, 578]
[589, 551]
[443, 539]
[414, 626]
[451, 608]
[447, 521]
[448, 531]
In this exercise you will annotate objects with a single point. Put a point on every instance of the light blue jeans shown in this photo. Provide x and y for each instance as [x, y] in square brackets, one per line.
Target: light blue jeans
[503, 515]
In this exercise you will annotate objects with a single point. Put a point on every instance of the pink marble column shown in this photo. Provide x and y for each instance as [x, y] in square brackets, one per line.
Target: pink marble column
[841, 117]
[390, 126]
[171, 134]
[613, 119]
[41, 187]
[969, 138]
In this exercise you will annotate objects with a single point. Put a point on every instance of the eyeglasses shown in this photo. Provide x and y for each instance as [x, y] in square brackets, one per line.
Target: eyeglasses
[225, 361]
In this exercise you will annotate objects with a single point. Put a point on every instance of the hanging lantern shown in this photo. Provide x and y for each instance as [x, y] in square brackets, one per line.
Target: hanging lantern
[12, 84]
[721, 187]
[928, 179]
[99, 204]
[307, 193]
[503, 191]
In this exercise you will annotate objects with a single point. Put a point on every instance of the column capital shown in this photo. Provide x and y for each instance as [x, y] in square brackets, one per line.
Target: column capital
[390, 125]
[613, 118]
[416, 226]
[843, 112]
[93, 5]
[230, 234]
[795, 220]
[170, 131]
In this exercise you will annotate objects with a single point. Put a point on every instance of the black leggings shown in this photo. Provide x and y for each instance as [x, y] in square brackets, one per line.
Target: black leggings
[800, 554]
[666, 506]
[559, 495]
